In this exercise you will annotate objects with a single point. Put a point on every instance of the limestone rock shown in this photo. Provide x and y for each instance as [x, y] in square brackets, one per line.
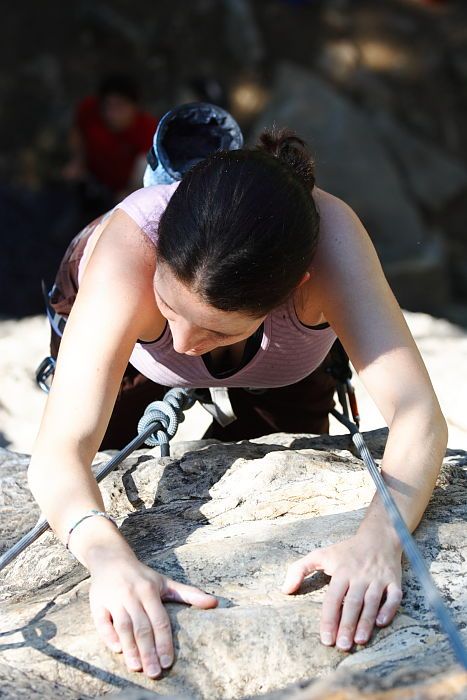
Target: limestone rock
[443, 347]
[230, 518]
[432, 177]
[19, 511]
[23, 345]
[242, 35]
[353, 163]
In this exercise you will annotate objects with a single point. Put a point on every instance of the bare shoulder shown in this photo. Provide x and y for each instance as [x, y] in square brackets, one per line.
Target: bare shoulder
[343, 245]
[345, 262]
[330, 206]
[120, 242]
[121, 266]
[342, 234]
[350, 287]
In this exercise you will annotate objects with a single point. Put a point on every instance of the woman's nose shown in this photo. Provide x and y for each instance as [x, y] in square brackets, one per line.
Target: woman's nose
[185, 337]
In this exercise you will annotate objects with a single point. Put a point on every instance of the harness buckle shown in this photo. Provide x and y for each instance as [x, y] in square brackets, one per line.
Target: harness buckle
[219, 407]
[44, 372]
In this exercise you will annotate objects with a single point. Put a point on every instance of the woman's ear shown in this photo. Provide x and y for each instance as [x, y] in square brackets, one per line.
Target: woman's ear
[304, 279]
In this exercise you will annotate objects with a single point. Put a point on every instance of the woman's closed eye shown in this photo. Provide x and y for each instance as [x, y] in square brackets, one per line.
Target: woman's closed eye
[215, 334]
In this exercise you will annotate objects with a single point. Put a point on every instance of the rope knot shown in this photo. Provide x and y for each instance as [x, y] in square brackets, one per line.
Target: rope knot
[168, 413]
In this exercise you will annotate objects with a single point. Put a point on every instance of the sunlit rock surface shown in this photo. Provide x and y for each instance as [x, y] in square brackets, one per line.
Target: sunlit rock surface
[230, 518]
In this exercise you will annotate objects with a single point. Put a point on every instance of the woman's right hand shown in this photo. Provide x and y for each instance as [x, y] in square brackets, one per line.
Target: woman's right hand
[125, 598]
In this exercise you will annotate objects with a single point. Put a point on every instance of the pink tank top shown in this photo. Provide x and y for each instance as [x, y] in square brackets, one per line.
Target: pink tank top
[288, 352]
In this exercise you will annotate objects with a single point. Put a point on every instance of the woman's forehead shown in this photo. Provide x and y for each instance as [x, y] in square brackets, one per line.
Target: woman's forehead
[186, 303]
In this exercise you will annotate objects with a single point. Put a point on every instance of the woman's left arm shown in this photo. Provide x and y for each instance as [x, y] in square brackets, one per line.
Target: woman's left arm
[359, 304]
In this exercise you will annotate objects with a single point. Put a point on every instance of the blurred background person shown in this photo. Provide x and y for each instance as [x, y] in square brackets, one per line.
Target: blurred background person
[109, 140]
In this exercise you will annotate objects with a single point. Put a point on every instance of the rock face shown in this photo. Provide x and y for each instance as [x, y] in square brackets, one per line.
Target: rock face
[443, 347]
[23, 345]
[375, 55]
[230, 518]
[378, 168]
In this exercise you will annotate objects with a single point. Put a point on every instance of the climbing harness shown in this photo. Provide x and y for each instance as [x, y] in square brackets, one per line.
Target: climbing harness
[45, 373]
[157, 426]
[46, 369]
[347, 399]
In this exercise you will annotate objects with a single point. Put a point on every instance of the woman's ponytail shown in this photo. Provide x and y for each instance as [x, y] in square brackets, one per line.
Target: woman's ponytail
[286, 146]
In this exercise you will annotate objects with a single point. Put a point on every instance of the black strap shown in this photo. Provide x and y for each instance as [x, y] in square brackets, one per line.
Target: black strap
[56, 320]
[152, 158]
[252, 346]
[340, 368]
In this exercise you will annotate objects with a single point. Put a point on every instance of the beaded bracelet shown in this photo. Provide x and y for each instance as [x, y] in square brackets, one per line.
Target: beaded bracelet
[92, 512]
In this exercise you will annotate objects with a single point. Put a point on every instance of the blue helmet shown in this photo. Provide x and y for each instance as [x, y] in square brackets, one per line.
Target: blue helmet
[186, 135]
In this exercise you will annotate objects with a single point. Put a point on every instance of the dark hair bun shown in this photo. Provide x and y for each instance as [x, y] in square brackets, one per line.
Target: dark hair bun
[289, 148]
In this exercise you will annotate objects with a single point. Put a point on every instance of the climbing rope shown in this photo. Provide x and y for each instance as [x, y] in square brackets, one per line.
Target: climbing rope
[157, 426]
[169, 413]
[406, 539]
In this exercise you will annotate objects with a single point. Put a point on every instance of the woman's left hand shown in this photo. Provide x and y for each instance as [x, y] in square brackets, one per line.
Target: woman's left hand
[363, 569]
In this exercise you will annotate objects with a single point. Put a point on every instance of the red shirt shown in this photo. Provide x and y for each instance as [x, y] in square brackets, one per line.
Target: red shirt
[111, 156]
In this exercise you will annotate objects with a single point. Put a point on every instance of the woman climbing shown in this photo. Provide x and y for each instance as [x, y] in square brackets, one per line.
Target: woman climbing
[242, 274]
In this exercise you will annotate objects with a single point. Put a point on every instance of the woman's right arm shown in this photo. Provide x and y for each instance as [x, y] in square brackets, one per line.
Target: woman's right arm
[114, 306]
[110, 310]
